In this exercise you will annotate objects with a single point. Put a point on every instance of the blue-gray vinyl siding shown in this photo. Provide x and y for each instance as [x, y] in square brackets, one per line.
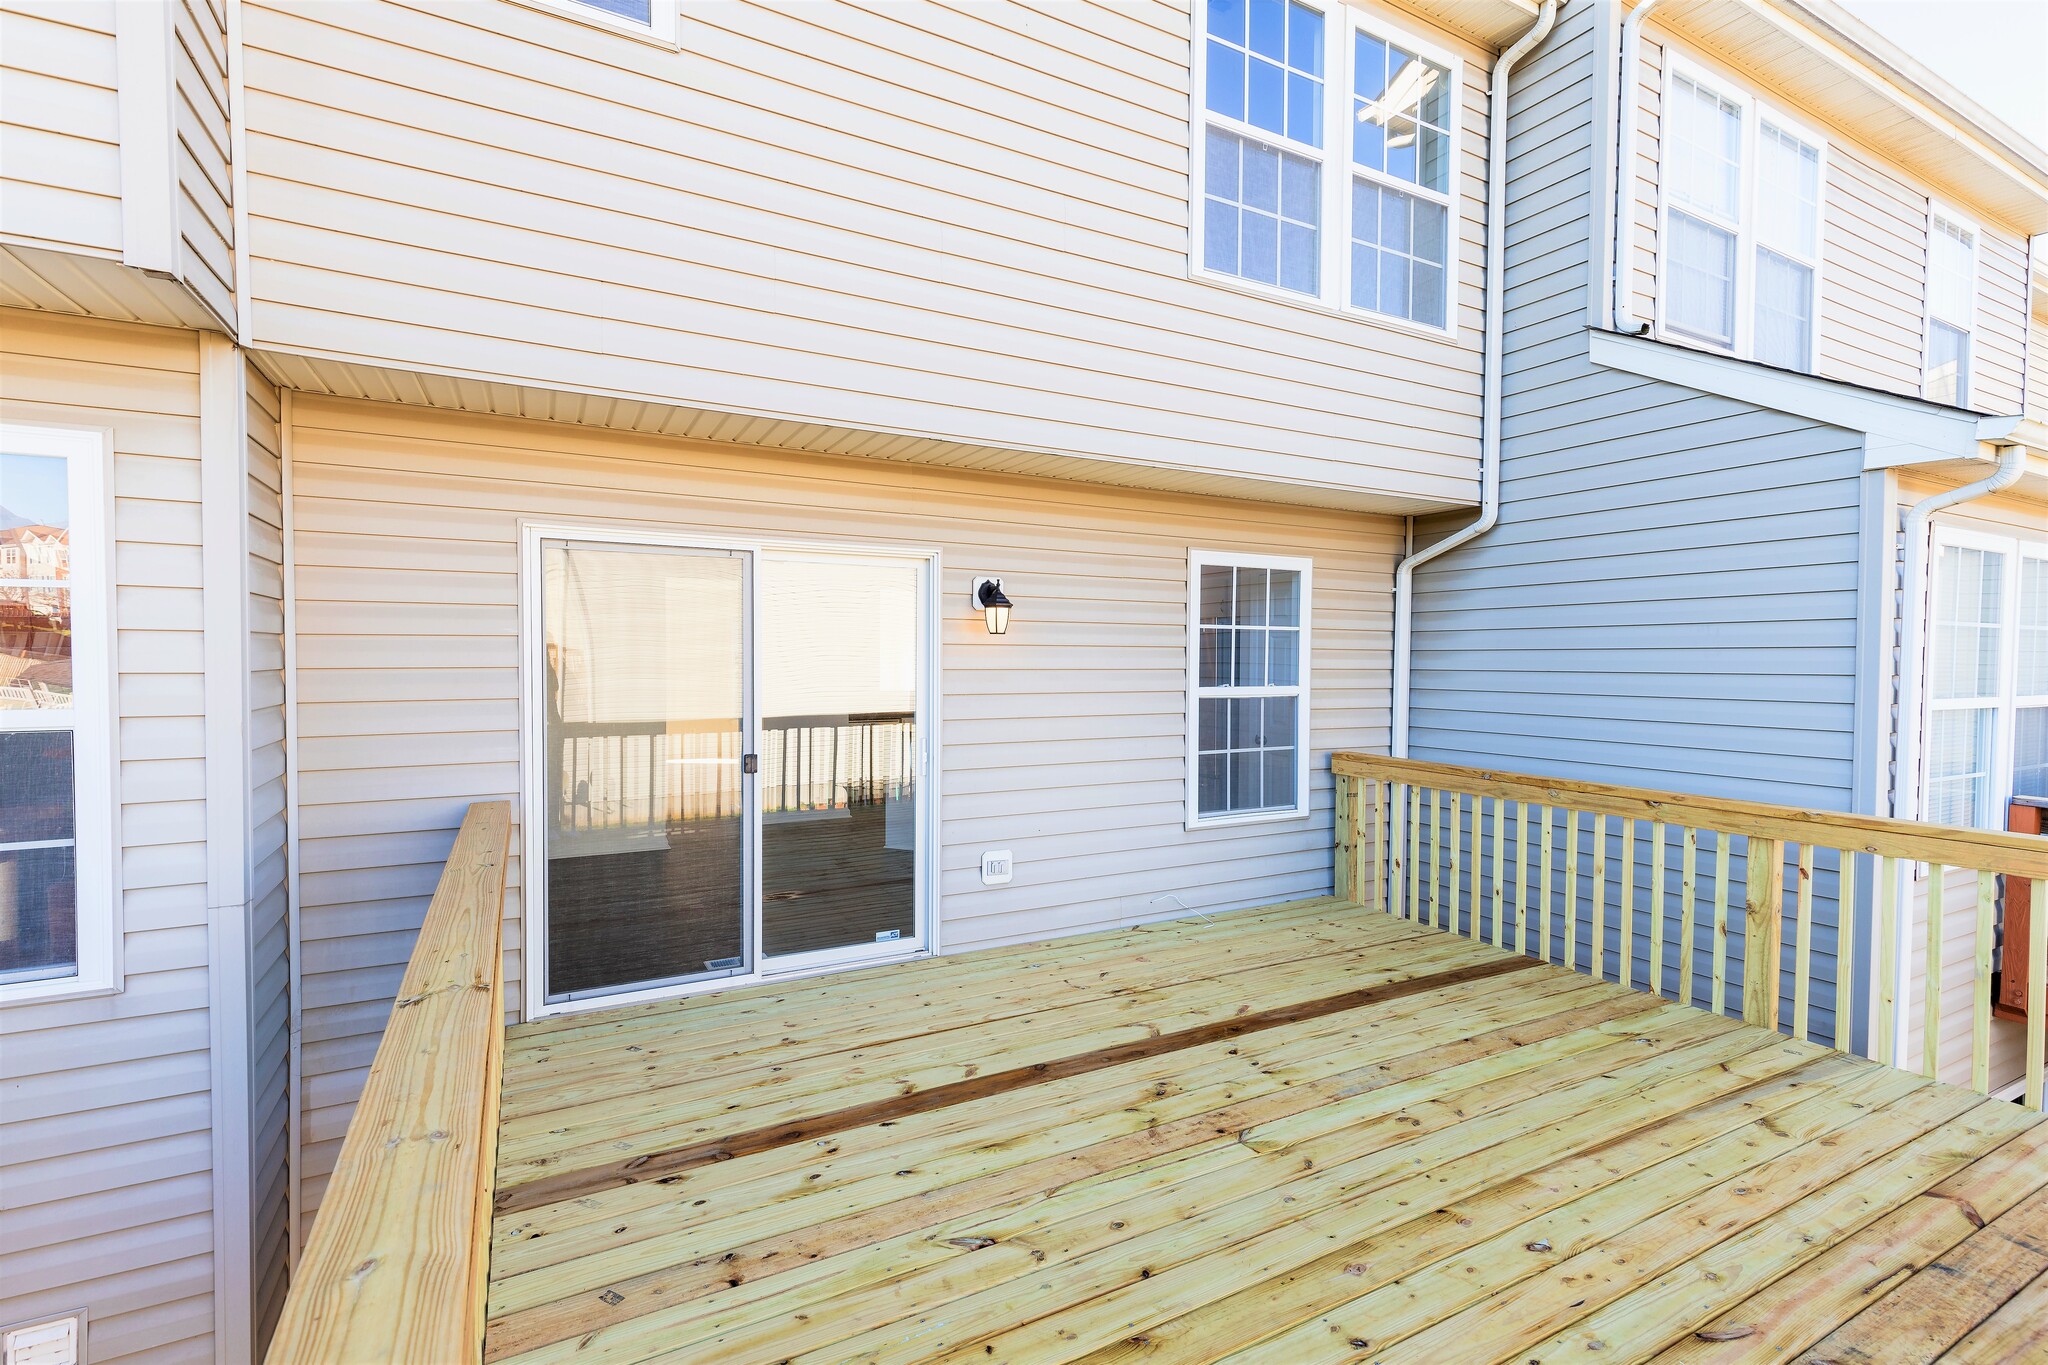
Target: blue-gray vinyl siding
[1670, 598]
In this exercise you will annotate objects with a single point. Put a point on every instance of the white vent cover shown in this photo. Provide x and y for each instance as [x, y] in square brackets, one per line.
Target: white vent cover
[44, 1343]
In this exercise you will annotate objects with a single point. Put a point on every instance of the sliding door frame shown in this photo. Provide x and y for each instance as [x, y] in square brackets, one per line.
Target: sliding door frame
[533, 758]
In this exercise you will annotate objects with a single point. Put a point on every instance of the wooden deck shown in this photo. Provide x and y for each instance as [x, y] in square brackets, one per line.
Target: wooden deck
[1298, 1134]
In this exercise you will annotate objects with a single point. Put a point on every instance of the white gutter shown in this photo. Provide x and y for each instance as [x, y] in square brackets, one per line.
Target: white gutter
[1907, 788]
[1624, 226]
[1490, 381]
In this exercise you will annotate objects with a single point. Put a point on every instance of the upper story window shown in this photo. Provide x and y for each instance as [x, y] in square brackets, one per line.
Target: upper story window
[1325, 146]
[1987, 725]
[1951, 308]
[1741, 200]
[641, 18]
[56, 918]
[1248, 698]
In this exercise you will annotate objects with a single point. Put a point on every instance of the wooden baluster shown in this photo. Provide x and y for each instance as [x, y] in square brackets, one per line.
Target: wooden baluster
[1930, 990]
[1543, 892]
[1722, 848]
[1344, 818]
[1625, 969]
[1762, 930]
[1475, 901]
[1599, 954]
[1457, 858]
[2037, 998]
[1500, 834]
[1887, 1049]
[1571, 889]
[1657, 908]
[1521, 876]
[1687, 922]
[1398, 825]
[1845, 950]
[1802, 945]
[1382, 832]
[1415, 907]
[1436, 859]
[1980, 988]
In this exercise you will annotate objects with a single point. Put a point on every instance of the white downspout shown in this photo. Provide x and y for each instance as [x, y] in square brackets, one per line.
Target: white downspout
[1907, 788]
[1624, 235]
[1490, 380]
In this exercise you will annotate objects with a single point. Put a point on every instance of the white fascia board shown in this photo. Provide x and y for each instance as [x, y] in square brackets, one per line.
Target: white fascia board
[1896, 430]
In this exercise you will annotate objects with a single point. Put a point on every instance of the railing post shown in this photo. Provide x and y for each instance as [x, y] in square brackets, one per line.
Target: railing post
[1762, 931]
[1346, 822]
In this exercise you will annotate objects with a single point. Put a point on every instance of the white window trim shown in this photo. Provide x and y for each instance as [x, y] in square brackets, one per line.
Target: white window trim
[1199, 559]
[1341, 22]
[88, 454]
[2006, 702]
[662, 31]
[1755, 112]
[1937, 211]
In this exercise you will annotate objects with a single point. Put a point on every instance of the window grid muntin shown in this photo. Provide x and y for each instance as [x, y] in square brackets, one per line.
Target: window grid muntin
[1343, 24]
[1294, 214]
[1248, 735]
[1738, 220]
[72, 855]
[1381, 87]
[1951, 309]
[1984, 583]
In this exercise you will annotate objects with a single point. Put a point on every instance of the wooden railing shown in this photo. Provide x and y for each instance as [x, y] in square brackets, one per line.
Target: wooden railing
[1641, 887]
[396, 1267]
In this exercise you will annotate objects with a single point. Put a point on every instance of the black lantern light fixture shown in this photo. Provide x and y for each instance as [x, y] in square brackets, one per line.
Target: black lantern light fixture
[988, 599]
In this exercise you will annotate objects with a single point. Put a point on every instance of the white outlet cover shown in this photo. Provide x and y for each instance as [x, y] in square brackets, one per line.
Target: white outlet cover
[996, 867]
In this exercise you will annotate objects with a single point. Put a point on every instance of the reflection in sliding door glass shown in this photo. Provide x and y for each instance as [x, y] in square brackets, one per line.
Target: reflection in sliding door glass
[646, 816]
[839, 662]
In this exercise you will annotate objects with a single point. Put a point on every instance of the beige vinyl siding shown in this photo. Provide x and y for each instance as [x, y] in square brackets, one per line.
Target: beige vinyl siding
[105, 1152]
[60, 184]
[199, 57]
[1873, 311]
[1873, 270]
[962, 222]
[1063, 740]
[2037, 366]
[1649, 89]
[1999, 382]
[269, 929]
[2009, 516]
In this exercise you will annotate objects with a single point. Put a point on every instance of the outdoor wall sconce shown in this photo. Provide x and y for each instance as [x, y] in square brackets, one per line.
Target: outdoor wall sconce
[987, 595]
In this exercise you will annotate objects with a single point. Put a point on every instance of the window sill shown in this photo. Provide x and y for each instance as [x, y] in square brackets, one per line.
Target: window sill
[1273, 293]
[1263, 817]
[54, 990]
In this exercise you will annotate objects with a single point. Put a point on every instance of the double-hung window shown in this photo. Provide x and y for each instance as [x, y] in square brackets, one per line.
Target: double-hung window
[1951, 308]
[56, 920]
[1400, 181]
[1987, 722]
[1740, 247]
[1248, 639]
[1325, 147]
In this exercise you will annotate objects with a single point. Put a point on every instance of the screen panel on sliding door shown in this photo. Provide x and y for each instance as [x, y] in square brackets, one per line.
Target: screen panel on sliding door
[644, 801]
[841, 657]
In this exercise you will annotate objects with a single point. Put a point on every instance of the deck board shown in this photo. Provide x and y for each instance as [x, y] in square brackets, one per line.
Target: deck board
[1302, 1133]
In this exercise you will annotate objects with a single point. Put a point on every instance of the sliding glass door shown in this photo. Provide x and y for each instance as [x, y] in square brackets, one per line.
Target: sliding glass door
[729, 760]
[645, 714]
[839, 752]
